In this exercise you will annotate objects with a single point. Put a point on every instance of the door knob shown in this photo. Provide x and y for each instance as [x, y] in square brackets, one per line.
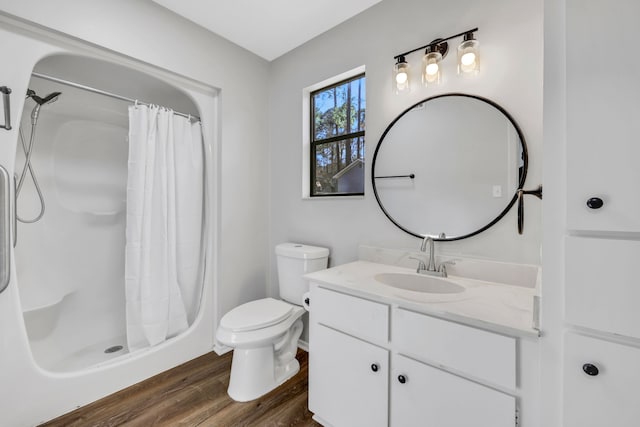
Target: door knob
[595, 203]
[590, 369]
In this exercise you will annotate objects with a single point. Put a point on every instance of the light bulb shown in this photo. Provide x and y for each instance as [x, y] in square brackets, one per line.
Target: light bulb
[432, 69]
[401, 78]
[468, 59]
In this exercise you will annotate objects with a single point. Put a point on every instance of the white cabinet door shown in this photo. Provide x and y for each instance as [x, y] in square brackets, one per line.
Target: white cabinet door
[348, 379]
[609, 398]
[603, 115]
[425, 396]
[602, 289]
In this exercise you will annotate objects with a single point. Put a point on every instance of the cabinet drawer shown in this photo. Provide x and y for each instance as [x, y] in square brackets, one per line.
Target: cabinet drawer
[480, 354]
[365, 319]
[602, 290]
[609, 398]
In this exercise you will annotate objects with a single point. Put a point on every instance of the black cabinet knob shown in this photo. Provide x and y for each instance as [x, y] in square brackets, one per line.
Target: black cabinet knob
[595, 203]
[374, 367]
[402, 379]
[306, 301]
[590, 369]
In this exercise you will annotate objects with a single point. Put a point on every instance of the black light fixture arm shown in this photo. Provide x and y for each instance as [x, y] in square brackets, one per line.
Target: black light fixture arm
[436, 42]
[521, 193]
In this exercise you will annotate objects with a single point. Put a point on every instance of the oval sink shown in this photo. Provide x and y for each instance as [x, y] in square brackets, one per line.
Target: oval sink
[419, 283]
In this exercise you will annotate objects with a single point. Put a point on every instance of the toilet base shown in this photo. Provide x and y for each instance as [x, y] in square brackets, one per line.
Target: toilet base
[257, 371]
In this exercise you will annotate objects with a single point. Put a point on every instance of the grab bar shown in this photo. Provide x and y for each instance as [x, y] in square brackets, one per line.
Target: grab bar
[5, 228]
[7, 107]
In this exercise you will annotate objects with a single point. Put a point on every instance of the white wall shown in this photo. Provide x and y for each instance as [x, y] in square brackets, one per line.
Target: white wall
[147, 32]
[554, 212]
[510, 35]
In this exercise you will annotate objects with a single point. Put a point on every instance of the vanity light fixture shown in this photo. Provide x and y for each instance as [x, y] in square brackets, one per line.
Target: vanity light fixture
[469, 56]
[401, 75]
[431, 63]
[434, 53]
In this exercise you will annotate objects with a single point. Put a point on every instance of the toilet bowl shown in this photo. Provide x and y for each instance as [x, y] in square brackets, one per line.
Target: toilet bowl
[264, 350]
[264, 333]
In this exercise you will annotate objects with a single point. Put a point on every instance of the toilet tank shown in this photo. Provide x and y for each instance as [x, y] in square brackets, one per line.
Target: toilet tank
[295, 260]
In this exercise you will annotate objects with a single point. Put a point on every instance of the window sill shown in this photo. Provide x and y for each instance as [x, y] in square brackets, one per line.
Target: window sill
[333, 198]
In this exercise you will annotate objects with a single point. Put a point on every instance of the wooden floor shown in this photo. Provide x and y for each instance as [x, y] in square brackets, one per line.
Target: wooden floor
[195, 394]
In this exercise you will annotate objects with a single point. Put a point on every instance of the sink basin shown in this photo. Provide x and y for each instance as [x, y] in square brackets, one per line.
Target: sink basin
[419, 283]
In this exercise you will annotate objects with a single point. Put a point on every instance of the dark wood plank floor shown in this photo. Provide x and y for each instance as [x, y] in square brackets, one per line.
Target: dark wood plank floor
[195, 394]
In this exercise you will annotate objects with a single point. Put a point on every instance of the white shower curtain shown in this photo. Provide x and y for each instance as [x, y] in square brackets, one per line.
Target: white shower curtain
[164, 251]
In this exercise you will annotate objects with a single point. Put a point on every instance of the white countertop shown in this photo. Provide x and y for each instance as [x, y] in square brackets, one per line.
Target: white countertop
[494, 306]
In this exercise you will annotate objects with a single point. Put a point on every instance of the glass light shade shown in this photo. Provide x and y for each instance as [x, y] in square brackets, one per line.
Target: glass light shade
[431, 72]
[401, 76]
[469, 57]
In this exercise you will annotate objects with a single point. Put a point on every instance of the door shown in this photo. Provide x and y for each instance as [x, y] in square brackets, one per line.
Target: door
[348, 379]
[602, 116]
[601, 383]
[422, 395]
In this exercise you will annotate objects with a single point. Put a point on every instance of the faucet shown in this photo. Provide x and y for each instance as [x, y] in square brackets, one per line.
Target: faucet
[430, 267]
[428, 241]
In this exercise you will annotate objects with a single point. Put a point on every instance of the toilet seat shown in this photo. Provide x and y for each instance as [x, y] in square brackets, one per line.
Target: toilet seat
[255, 315]
[259, 329]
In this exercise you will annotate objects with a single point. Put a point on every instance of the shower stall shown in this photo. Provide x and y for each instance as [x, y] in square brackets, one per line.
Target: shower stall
[70, 172]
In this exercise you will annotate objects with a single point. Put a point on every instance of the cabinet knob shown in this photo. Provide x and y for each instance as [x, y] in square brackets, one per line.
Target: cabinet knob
[595, 203]
[306, 301]
[590, 369]
[374, 367]
[402, 379]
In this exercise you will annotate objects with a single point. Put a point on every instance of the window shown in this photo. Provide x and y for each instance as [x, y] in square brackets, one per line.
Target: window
[337, 139]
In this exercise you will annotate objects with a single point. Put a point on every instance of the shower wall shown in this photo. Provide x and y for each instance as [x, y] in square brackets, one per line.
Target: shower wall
[70, 264]
[78, 149]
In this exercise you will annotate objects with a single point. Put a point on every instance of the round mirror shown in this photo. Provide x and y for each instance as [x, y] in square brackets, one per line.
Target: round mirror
[449, 164]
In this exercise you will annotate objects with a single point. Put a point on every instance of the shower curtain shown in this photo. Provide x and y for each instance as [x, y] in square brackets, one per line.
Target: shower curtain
[164, 251]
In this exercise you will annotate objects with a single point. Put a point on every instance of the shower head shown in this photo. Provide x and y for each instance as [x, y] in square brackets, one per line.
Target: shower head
[52, 97]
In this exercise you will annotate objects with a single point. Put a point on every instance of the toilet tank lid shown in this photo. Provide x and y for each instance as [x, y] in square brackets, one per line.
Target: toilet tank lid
[297, 250]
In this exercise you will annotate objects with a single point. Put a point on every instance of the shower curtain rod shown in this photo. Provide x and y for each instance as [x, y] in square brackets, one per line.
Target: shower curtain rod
[102, 92]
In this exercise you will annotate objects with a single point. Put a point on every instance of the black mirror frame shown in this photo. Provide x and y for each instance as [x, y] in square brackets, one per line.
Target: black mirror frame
[523, 177]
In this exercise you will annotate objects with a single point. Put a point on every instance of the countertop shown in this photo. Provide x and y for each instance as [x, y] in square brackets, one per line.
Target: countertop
[492, 306]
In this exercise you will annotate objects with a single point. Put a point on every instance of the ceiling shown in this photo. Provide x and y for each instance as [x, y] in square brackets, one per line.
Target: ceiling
[268, 28]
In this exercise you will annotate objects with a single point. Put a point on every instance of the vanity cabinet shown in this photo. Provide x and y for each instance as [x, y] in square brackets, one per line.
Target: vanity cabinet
[420, 371]
[602, 118]
[601, 383]
[601, 376]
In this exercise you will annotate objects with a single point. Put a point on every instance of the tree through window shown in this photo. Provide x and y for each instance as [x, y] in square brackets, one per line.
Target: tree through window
[337, 138]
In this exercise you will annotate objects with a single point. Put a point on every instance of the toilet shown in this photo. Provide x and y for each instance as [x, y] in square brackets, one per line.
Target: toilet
[264, 333]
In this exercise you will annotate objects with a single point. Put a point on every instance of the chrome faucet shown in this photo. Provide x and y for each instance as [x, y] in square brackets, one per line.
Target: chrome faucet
[428, 241]
[430, 267]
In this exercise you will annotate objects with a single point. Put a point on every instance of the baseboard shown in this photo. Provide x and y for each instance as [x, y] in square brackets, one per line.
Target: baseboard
[303, 345]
